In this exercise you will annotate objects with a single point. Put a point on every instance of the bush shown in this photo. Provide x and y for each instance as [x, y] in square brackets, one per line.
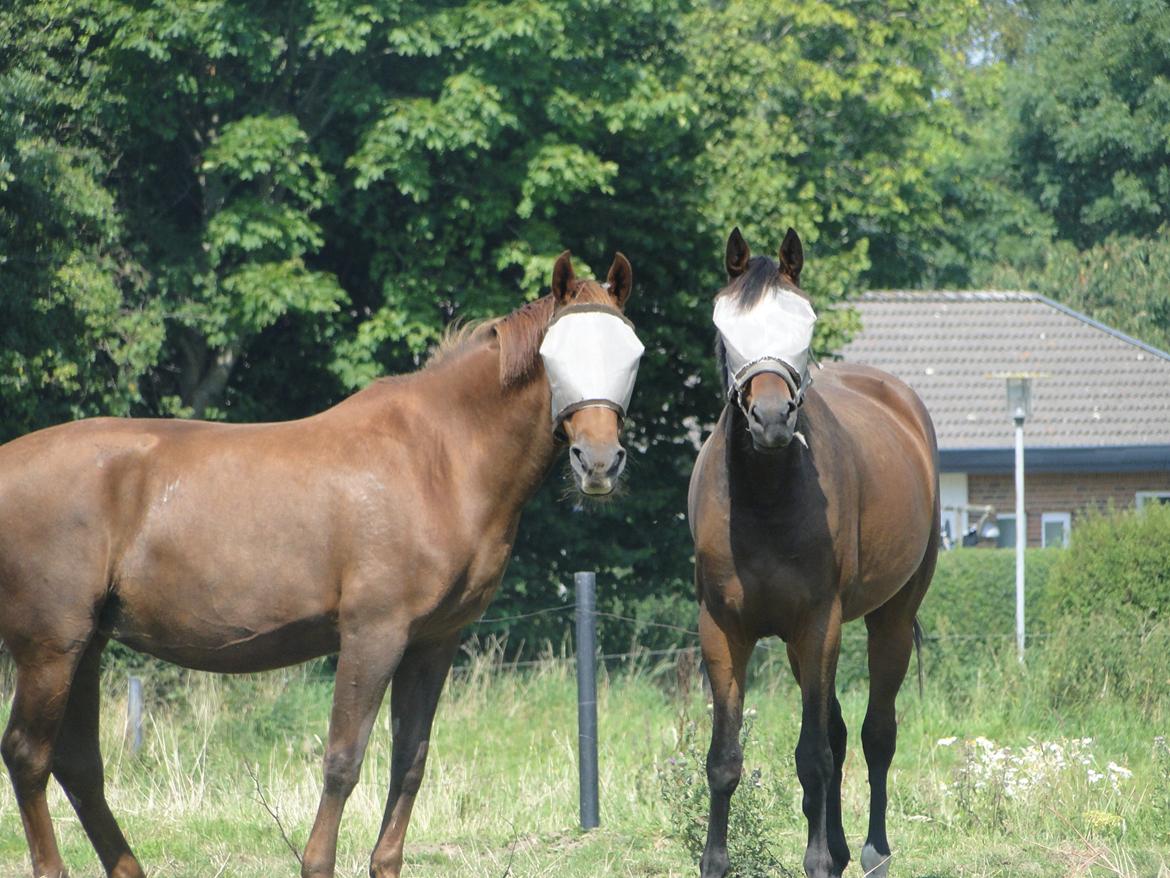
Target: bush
[968, 615]
[974, 591]
[1118, 565]
[683, 782]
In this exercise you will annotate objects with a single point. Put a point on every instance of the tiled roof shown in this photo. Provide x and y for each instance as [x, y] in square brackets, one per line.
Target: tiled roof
[1100, 388]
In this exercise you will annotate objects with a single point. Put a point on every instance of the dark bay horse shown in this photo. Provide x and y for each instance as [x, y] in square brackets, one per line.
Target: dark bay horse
[805, 517]
[376, 530]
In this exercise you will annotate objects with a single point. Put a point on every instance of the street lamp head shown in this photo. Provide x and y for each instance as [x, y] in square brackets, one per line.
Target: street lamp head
[1019, 397]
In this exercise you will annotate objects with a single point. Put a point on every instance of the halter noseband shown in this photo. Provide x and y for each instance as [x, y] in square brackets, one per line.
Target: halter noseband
[738, 381]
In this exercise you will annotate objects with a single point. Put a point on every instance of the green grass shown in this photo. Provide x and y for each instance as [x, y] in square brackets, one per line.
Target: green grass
[500, 795]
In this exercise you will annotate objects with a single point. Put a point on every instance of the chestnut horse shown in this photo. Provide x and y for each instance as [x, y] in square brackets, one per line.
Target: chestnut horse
[375, 530]
[805, 517]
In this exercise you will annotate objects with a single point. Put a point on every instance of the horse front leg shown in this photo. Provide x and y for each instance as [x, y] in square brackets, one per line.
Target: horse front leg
[820, 750]
[368, 658]
[414, 695]
[726, 656]
[838, 739]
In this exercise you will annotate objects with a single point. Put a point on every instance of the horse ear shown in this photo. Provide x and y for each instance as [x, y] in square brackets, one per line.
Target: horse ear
[738, 254]
[562, 277]
[620, 279]
[792, 256]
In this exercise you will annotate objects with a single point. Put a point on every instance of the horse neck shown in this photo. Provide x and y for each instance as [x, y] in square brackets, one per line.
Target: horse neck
[500, 437]
[762, 479]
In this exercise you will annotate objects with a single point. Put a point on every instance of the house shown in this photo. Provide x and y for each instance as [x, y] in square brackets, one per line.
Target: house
[1099, 432]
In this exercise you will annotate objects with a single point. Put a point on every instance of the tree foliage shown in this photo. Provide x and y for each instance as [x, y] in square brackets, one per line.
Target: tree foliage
[246, 211]
[1058, 175]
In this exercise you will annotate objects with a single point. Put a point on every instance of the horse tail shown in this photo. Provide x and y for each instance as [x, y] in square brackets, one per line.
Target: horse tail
[918, 653]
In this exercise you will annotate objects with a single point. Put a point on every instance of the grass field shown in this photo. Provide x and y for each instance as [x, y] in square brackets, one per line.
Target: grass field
[989, 780]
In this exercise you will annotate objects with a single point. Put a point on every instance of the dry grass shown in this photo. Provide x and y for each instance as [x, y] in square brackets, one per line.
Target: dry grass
[500, 797]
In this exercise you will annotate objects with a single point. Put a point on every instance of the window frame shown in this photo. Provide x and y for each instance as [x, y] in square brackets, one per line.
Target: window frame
[1141, 498]
[1064, 518]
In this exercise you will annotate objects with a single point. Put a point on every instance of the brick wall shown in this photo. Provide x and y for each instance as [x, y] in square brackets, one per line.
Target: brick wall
[1062, 492]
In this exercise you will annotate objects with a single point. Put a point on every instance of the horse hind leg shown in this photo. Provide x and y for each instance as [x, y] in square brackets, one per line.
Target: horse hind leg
[44, 674]
[77, 765]
[891, 636]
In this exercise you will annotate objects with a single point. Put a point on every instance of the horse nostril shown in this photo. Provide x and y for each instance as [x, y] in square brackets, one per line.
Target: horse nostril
[754, 413]
[619, 458]
[578, 455]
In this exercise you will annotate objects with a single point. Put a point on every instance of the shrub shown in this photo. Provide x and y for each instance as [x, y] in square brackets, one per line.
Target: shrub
[968, 615]
[1118, 565]
[974, 590]
[683, 782]
[1104, 659]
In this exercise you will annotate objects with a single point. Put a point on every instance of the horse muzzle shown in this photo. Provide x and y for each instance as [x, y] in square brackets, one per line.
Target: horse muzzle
[596, 467]
[771, 423]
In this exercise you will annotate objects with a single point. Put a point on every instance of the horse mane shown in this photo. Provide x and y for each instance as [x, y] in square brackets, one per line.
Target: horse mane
[520, 334]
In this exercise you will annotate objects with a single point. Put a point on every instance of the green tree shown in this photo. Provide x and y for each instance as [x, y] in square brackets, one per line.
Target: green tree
[248, 210]
[77, 327]
[1089, 99]
[1058, 175]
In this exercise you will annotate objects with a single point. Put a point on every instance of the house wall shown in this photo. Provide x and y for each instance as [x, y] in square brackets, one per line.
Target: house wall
[1062, 492]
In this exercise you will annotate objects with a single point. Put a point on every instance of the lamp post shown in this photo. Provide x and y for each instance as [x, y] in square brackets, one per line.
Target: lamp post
[1019, 399]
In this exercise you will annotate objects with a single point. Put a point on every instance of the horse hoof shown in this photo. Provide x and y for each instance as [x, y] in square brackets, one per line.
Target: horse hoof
[873, 864]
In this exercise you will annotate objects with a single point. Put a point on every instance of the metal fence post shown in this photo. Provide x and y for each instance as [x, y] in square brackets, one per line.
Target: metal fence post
[586, 584]
[134, 715]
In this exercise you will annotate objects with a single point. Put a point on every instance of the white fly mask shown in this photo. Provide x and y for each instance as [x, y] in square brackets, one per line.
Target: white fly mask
[772, 335]
[591, 355]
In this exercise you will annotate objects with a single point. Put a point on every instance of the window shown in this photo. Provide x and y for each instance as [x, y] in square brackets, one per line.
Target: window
[1007, 531]
[1054, 528]
[1143, 497]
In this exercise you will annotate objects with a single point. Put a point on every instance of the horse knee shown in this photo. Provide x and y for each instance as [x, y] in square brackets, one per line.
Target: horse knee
[724, 769]
[838, 737]
[316, 870]
[412, 776]
[342, 769]
[714, 864]
[77, 772]
[27, 759]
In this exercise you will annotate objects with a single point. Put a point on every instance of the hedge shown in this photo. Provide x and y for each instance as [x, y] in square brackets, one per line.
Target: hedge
[1117, 566]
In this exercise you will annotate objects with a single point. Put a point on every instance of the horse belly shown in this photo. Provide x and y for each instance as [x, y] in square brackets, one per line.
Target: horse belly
[224, 587]
[207, 618]
[229, 649]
